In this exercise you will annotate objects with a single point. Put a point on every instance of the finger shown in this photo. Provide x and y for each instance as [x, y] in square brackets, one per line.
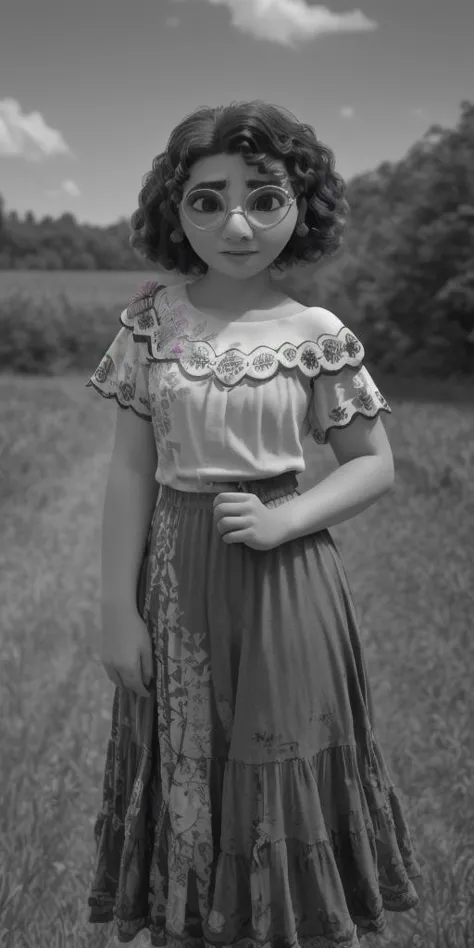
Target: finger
[232, 523]
[228, 510]
[235, 497]
[128, 684]
[146, 674]
[114, 677]
[236, 537]
[143, 692]
[137, 687]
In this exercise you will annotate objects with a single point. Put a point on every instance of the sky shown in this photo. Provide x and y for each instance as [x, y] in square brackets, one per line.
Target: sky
[91, 90]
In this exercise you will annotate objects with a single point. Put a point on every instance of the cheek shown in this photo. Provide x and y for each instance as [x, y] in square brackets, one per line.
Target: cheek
[278, 238]
[199, 240]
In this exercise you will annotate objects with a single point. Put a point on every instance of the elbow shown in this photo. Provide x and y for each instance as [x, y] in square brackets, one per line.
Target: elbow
[382, 472]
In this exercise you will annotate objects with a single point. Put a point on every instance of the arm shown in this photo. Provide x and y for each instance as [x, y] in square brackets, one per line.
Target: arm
[366, 472]
[130, 499]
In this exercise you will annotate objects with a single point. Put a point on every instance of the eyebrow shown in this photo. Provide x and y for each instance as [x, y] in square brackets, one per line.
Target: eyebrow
[221, 183]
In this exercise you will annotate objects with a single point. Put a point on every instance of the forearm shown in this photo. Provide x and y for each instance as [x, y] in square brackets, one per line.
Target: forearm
[130, 500]
[347, 491]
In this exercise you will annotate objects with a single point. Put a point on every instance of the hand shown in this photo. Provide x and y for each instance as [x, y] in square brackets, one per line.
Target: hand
[242, 518]
[126, 649]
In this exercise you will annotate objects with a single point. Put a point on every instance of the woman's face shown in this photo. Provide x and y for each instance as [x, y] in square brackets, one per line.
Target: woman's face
[235, 233]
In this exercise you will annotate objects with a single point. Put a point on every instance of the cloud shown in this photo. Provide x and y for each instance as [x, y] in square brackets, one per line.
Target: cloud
[290, 22]
[347, 111]
[70, 187]
[27, 136]
[172, 21]
[67, 187]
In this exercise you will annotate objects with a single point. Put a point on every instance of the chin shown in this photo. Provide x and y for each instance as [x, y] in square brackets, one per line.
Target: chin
[240, 269]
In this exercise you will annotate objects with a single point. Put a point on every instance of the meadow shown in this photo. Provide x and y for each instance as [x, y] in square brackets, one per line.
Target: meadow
[409, 560]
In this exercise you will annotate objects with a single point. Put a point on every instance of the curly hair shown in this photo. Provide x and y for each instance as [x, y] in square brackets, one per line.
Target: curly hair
[261, 133]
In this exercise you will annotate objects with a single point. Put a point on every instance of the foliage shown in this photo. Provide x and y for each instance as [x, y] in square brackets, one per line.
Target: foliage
[408, 264]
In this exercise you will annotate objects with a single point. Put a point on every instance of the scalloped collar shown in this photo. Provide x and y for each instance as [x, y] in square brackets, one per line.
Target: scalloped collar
[173, 329]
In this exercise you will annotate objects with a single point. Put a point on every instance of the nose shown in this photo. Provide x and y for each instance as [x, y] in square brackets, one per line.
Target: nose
[237, 225]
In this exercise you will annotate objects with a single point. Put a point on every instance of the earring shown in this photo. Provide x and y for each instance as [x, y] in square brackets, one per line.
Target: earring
[301, 229]
[177, 236]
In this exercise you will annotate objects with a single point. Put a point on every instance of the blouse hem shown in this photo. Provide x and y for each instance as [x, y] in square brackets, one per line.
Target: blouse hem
[91, 384]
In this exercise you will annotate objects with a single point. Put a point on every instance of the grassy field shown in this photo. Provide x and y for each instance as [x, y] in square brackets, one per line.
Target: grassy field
[82, 286]
[409, 560]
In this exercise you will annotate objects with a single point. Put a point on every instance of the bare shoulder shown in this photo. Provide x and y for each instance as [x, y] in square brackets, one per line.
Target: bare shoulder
[325, 321]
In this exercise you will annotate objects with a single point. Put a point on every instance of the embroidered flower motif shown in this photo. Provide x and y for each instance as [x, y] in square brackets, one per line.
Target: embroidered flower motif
[146, 291]
[199, 358]
[353, 346]
[126, 387]
[289, 354]
[127, 391]
[103, 370]
[231, 364]
[142, 303]
[364, 400]
[309, 358]
[339, 414]
[333, 350]
[263, 361]
[147, 319]
[266, 739]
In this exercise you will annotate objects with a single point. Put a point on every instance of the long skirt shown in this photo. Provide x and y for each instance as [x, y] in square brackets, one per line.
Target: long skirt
[246, 802]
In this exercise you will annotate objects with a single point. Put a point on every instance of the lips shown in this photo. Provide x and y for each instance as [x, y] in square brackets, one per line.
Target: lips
[239, 253]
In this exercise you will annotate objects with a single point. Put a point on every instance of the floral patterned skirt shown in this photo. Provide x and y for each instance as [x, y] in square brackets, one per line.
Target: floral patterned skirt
[247, 801]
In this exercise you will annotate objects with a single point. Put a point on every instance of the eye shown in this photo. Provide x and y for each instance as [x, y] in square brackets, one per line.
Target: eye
[211, 202]
[264, 201]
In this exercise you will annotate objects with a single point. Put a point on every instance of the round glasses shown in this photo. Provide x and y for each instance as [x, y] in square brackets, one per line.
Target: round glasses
[265, 207]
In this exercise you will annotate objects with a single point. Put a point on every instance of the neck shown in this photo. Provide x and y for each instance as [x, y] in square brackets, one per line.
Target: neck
[218, 287]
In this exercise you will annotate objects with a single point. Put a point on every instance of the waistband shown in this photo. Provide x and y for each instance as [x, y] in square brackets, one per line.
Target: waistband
[268, 488]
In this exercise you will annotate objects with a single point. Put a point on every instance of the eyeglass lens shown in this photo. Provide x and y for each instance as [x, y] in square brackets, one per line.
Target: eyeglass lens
[264, 207]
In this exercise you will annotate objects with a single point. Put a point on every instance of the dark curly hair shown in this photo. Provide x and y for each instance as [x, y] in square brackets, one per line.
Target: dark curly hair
[260, 132]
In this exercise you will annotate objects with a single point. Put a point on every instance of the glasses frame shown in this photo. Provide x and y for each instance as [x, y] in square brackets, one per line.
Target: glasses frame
[290, 201]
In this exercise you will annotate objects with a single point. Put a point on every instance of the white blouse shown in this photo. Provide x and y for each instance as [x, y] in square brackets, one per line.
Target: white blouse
[234, 401]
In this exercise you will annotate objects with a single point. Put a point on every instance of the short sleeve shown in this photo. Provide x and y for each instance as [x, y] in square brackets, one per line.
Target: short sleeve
[343, 389]
[123, 371]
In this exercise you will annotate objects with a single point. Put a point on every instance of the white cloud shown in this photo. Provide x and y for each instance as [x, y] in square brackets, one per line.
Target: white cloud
[70, 187]
[27, 136]
[347, 111]
[290, 22]
[67, 187]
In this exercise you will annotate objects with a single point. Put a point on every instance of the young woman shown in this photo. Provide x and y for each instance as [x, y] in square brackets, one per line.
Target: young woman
[246, 799]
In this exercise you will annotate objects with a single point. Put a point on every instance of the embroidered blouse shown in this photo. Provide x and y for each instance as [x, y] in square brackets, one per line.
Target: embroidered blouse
[234, 401]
